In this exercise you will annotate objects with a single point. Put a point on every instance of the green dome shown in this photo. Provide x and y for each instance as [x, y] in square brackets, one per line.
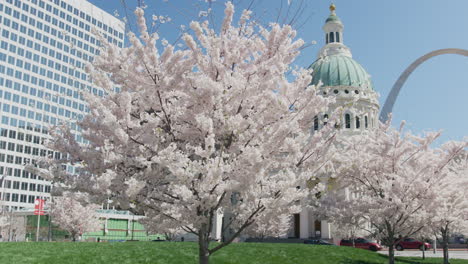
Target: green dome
[333, 17]
[337, 70]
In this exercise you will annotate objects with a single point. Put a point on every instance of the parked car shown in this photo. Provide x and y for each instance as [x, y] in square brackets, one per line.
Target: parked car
[361, 243]
[411, 243]
[318, 242]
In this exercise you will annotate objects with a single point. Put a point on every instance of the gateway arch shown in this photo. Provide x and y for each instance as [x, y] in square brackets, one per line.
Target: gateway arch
[392, 96]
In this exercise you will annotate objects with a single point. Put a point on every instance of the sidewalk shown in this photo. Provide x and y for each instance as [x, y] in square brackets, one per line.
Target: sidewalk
[453, 253]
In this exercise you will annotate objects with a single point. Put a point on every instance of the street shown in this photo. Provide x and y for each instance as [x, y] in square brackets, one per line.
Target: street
[456, 254]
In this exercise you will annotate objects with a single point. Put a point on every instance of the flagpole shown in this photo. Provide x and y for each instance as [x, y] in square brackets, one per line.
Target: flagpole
[38, 210]
[38, 223]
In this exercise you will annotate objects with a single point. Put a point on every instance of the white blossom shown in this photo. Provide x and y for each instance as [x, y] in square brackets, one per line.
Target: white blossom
[69, 214]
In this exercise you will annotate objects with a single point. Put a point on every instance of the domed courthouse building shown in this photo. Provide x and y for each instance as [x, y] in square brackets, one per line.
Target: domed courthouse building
[345, 79]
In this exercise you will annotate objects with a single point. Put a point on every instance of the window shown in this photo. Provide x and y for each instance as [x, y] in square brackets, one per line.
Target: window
[12, 134]
[7, 184]
[337, 36]
[24, 186]
[347, 121]
[332, 36]
[358, 122]
[316, 123]
[14, 197]
[11, 147]
[365, 122]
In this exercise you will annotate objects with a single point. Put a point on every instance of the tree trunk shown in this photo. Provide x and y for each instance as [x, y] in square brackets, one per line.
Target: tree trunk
[203, 259]
[203, 245]
[445, 238]
[446, 253]
[424, 252]
[391, 254]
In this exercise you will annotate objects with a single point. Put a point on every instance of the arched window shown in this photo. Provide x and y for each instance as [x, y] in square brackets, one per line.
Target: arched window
[347, 118]
[332, 36]
[337, 36]
[325, 119]
[316, 124]
[326, 38]
[358, 122]
[365, 122]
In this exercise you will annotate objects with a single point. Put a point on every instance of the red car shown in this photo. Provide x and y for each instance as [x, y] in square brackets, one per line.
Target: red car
[361, 243]
[411, 243]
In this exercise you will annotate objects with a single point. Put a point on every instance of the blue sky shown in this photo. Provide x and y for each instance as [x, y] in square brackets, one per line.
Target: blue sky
[384, 36]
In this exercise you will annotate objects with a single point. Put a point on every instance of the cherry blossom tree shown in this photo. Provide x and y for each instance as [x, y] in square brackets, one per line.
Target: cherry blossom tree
[70, 214]
[395, 175]
[337, 207]
[217, 126]
[450, 213]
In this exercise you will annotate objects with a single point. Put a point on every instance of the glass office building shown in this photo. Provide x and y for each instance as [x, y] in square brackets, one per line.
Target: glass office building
[44, 47]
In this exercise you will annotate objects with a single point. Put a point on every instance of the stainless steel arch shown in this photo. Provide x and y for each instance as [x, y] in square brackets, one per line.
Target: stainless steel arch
[392, 96]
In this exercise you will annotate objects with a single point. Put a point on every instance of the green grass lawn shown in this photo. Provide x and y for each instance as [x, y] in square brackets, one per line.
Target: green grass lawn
[186, 253]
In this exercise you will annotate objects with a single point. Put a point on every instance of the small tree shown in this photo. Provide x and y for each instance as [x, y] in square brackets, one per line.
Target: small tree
[450, 214]
[216, 126]
[396, 175]
[335, 206]
[69, 214]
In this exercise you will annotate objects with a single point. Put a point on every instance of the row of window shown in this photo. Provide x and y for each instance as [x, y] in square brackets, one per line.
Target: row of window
[24, 186]
[74, 11]
[11, 146]
[14, 172]
[13, 122]
[40, 104]
[21, 136]
[56, 22]
[28, 54]
[45, 105]
[32, 115]
[43, 72]
[73, 71]
[21, 198]
[348, 121]
[18, 160]
[48, 39]
[357, 121]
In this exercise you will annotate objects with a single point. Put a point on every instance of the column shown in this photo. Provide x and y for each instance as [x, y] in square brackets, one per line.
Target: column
[325, 230]
[218, 225]
[304, 224]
